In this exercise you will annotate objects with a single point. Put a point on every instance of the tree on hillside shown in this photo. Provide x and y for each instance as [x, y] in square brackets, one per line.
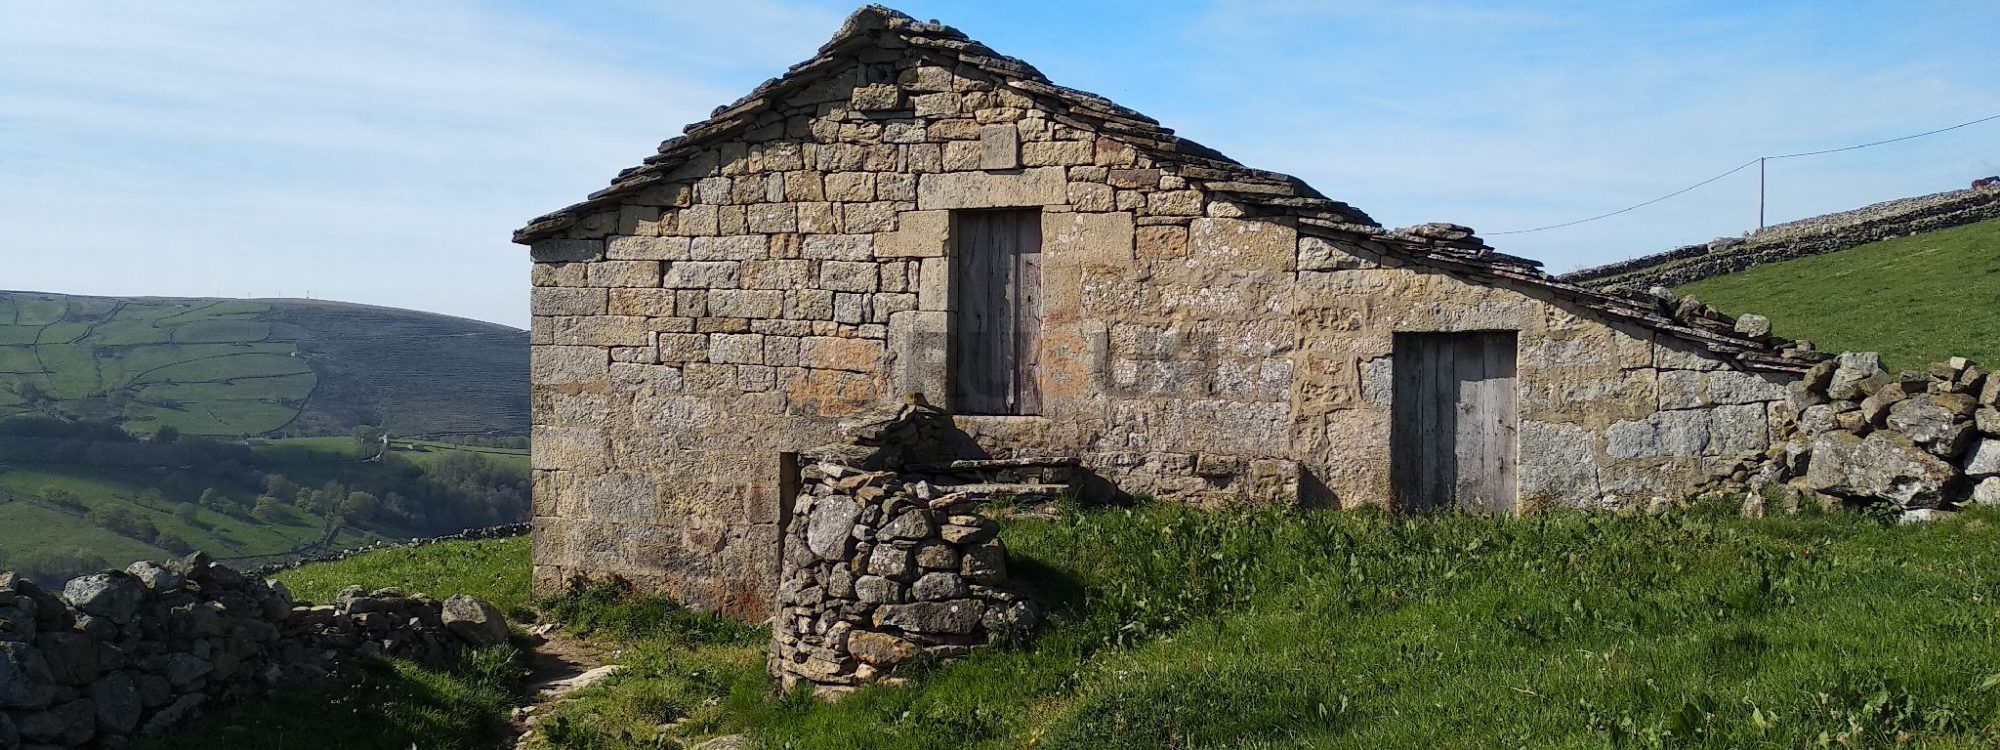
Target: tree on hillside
[280, 487]
[167, 434]
[189, 514]
[267, 510]
[213, 500]
[359, 508]
[369, 439]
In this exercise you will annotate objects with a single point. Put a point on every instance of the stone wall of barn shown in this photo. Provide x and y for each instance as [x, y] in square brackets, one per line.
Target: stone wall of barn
[1189, 349]
[1611, 417]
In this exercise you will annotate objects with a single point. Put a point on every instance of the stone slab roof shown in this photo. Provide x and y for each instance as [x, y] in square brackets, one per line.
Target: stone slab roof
[1446, 247]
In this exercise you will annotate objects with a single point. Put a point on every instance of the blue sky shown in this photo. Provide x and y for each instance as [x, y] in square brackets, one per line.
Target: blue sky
[382, 152]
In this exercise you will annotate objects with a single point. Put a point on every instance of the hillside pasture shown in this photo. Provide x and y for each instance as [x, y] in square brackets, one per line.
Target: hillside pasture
[256, 367]
[219, 534]
[1916, 300]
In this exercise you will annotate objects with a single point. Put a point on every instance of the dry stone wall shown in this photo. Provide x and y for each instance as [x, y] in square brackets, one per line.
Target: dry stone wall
[1815, 236]
[880, 572]
[135, 653]
[1922, 441]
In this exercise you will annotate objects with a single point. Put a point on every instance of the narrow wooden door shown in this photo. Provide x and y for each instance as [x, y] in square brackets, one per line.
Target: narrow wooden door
[996, 334]
[1454, 425]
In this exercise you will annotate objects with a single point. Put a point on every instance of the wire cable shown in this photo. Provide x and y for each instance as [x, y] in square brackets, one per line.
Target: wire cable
[1628, 209]
[1891, 140]
[1745, 165]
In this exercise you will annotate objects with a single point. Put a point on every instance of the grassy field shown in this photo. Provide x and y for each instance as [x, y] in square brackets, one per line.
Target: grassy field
[1172, 628]
[495, 570]
[32, 529]
[220, 535]
[423, 452]
[257, 367]
[1916, 299]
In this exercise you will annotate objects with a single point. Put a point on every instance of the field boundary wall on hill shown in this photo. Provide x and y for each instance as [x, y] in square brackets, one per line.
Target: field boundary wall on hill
[1799, 239]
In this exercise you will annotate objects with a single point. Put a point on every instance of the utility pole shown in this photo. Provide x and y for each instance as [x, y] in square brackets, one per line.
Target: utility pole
[1760, 193]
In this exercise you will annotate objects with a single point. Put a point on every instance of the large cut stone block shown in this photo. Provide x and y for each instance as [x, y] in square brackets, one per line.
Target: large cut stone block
[1238, 244]
[999, 147]
[561, 365]
[1733, 387]
[1102, 240]
[919, 345]
[1319, 254]
[1558, 465]
[1737, 429]
[919, 234]
[1027, 188]
[573, 448]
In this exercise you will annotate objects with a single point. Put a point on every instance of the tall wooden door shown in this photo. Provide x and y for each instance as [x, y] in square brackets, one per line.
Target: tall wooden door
[996, 334]
[1454, 425]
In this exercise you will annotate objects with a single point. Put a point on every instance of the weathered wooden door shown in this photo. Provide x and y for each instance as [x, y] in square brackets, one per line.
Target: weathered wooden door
[1453, 430]
[996, 334]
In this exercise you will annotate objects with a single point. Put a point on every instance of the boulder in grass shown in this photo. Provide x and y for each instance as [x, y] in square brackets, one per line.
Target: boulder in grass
[475, 621]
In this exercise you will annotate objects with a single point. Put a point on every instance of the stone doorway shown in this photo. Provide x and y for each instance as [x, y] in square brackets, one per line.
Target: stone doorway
[1454, 424]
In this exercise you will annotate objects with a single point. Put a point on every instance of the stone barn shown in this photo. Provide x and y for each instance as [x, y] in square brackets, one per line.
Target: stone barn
[912, 215]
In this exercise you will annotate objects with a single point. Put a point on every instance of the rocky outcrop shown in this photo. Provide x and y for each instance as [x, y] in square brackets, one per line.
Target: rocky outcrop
[136, 652]
[1922, 441]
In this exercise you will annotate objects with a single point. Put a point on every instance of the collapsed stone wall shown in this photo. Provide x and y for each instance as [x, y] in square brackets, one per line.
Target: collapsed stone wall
[1815, 236]
[135, 653]
[1923, 441]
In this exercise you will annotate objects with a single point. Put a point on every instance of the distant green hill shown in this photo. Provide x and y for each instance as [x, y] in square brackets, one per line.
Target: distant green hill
[1916, 299]
[259, 367]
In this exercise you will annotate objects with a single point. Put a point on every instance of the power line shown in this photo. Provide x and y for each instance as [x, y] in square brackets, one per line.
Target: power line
[1891, 140]
[1627, 209]
[1739, 168]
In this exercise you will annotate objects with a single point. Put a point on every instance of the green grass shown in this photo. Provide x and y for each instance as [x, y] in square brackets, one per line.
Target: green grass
[1175, 628]
[389, 704]
[218, 534]
[433, 452]
[495, 570]
[55, 531]
[1916, 300]
[1183, 629]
